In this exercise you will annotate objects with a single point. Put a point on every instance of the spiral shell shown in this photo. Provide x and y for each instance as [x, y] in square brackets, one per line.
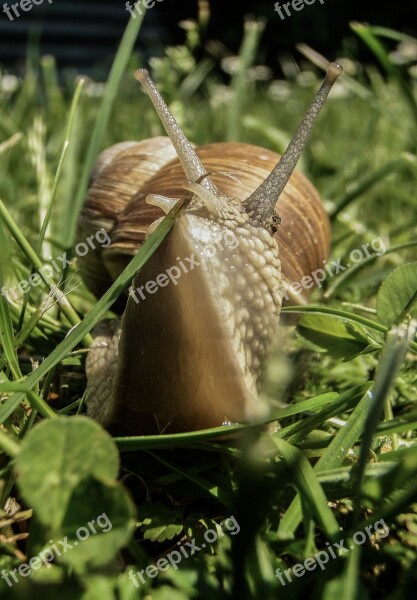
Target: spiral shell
[126, 173]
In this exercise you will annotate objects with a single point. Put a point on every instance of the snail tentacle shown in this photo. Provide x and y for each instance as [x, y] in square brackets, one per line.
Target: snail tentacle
[191, 164]
[261, 203]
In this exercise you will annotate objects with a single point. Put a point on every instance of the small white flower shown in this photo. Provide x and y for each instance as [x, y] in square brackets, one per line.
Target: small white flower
[9, 83]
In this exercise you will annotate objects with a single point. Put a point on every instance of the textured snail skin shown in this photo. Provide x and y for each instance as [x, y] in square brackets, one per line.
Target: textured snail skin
[190, 354]
[202, 341]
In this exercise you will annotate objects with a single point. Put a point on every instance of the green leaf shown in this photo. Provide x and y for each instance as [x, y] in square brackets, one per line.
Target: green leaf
[159, 523]
[99, 587]
[168, 593]
[99, 521]
[397, 296]
[339, 339]
[55, 457]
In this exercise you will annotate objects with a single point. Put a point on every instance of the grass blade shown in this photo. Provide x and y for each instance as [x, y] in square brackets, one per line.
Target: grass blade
[367, 35]
[247, 54]
[6, 337]
[212, 490]
[118, 69]
[68, 132]
[79, 332]
[343, 277]
[8, 444]
[325, 310]
[24, 245]
[333, 456]
[308, 486]
[392, 166]
[391, 360]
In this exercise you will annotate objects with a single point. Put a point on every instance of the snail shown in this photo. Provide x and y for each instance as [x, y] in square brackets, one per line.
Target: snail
[202, 314]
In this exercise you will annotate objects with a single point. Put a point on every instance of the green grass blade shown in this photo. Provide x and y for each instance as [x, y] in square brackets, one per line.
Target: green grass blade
[346, 437]
[247, 54]
[390, 363]
[103, 305]
[174, 440]
[391, 34]
[347, 585]
[112, 87]
[361, 187]
[311, 404]
[353, 270]
[213, 490]
[36, 401]
[326, 310]
[147, 442]
[7, 337]
[298, 431]
[365, 33]
[334, 455]
[13, 386]
[8, 444]
[67, 138]
[26, 330]
[24, 245]
[308, 485]
[402, 424]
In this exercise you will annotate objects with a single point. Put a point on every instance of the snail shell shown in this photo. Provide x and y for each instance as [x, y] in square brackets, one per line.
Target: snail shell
[126, 173]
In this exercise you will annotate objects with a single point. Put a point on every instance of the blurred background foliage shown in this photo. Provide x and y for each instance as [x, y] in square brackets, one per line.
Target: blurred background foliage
[85, 34]
[225, 77]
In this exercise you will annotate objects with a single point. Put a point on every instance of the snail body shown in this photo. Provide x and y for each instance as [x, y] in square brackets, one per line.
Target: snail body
[203, 313]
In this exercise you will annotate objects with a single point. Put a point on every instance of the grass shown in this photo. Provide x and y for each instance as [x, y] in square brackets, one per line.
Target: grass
[345, 455]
